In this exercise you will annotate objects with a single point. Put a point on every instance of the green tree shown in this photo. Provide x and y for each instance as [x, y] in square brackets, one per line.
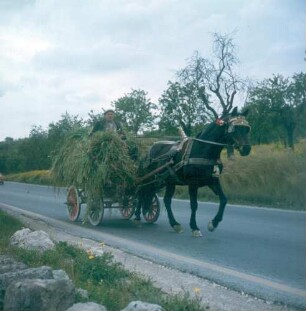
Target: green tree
[10, 158]
[297, 95]
[277, 107]
[35, 150]
[57, 131]
[181, 107]
[135, 111]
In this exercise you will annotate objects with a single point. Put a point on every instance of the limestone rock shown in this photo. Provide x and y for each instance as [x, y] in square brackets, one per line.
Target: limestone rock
[12, 277]
[33, 240]
[8, 264]
[88, 306]
[60, 275]
[83, 293]
[39, 294]
[142, 306]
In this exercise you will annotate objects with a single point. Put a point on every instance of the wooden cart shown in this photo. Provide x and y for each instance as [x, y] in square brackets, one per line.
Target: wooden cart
[118, 199]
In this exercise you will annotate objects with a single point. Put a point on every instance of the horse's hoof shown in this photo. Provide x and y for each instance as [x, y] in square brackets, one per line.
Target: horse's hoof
[196, 233]
[210, 226]
[178, 228]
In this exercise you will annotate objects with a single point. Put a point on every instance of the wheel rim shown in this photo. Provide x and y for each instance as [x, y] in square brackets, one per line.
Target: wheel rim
[151, 215]
[95, 210]
[73, 203]
[128, 211]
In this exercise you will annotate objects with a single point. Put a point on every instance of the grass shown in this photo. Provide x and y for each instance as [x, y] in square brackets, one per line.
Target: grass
[106, 281]
[40, 177]
[270, 176]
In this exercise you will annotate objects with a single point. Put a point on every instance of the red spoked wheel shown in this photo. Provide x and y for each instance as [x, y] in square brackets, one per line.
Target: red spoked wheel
[127, 209]
[151, 215]
[73, 203]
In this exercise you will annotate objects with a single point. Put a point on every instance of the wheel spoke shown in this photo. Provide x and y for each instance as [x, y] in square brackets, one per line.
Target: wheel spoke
[128, 210]
[95, 211]
[151, 215]
[73, 203]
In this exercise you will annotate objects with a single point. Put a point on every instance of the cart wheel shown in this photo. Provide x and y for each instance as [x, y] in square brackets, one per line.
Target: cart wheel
[95, 210]
[152, 214]
[128, 211]
[73, 203]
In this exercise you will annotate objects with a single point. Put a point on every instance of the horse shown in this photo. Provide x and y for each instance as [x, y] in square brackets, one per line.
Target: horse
[193, 162]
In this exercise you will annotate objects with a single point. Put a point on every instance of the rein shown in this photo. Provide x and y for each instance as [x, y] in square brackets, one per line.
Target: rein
[209, 142]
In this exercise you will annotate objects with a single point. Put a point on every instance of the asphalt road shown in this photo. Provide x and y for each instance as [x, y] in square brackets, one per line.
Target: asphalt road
[259, 251]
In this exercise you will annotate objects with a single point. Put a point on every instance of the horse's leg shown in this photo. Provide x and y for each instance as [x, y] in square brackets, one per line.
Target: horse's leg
[170, 189]
[193, 194]
[145, 197]
[137, 213]
[217, 189]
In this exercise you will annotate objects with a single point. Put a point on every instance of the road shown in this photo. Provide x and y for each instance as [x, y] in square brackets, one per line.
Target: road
[256, 250]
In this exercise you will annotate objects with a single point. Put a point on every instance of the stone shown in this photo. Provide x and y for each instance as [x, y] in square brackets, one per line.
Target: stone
[8, 264]
[60, 275]
[88, 306]
[7, 278]
[32, 240]
[142, 306]
[82, 293]
[39, 294]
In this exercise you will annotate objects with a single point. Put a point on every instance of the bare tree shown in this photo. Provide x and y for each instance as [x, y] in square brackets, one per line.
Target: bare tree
[216, 79]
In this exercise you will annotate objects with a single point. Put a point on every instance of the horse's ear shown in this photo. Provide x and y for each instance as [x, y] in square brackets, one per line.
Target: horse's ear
[245, 112]
[234, 112]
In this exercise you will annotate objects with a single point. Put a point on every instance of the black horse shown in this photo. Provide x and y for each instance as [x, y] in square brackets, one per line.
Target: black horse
[194, 162]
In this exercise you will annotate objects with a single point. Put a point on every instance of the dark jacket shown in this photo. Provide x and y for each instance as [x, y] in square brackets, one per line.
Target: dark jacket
[101, 125]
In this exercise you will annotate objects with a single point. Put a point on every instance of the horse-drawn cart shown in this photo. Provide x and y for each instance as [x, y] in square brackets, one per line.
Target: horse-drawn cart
[95, 206]
[100, 172]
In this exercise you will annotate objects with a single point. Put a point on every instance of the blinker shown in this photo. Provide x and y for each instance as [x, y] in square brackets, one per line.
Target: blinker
[239, 121]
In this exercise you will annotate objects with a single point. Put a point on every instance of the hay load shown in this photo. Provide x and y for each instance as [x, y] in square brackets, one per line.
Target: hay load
[97, 164]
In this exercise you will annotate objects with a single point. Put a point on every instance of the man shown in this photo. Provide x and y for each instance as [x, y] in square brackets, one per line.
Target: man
[108, 123]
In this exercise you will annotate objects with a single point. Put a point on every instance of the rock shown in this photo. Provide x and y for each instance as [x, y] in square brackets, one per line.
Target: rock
[60, 275]
[36, 240]
[142, 306]
[88, 306]
[31, 273]
[39, 294]
[8, 264]
[83, 293]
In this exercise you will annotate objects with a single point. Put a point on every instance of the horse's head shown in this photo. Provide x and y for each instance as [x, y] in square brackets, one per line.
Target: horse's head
[237, 131]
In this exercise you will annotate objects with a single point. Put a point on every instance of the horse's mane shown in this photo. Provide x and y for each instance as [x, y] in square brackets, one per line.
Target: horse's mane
[206, 131]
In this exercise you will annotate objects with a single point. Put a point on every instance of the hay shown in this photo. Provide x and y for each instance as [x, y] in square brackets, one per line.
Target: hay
[95, 163]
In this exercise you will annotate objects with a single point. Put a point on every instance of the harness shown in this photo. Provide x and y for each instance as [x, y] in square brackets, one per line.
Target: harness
[187, 143]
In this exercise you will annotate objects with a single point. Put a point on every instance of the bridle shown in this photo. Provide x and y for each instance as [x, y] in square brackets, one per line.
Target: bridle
[231, 124]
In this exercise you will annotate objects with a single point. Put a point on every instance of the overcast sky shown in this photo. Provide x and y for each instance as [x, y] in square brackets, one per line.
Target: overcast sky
[74, 56]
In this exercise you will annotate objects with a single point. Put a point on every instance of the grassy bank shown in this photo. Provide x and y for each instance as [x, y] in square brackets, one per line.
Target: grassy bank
[269, 176]
[107, 282]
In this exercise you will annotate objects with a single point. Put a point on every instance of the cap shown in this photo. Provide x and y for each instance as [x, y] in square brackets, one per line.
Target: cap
[108, 110]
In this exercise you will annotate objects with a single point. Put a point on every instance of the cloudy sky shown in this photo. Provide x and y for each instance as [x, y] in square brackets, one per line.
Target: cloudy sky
[74, 56]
